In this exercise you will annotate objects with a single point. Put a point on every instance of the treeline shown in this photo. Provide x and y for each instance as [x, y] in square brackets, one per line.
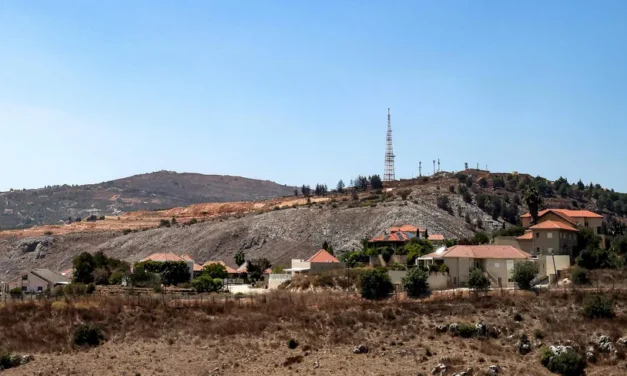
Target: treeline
[360, 183]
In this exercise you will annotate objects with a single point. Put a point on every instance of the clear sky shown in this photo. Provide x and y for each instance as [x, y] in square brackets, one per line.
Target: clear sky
[297, 91]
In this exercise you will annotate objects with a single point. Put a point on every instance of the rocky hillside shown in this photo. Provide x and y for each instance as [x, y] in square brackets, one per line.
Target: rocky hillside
[158, 190]
[279, 234]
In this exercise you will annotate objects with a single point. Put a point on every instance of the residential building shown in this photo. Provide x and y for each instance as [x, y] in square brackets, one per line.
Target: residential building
[583, 218]
[37, 281]
[496, 261]
[320, 262]
[400, 235]
[230, 271]
[197, 267]
[549, 238]
[164, 257]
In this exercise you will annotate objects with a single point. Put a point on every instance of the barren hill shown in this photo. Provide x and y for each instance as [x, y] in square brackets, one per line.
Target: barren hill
[158, 190]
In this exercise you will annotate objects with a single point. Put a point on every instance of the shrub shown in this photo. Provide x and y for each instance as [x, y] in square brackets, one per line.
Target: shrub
[483, 183]
[567, 363]
[444, 203]
[292, 344]
[375, 284]
[467, 197]
[126, 231]
[598, 307]
[75, 289]
[16, 293]
[164, 223]
[8, 360]
[116, 278]
[451, 188]
[87, 335]
[205, 283]
[415, 282]
[90, 289]
[323, 280]
[524, 272]
[215, 270]
[538, 334]
[477, 281]
[387, 254]
[47, 233]
[579, 276]
[467, 330]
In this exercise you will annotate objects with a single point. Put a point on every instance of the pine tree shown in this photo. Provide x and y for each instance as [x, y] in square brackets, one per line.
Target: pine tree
[340, 186]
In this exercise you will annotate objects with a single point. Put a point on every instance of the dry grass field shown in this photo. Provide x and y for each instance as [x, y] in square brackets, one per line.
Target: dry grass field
[249, 336]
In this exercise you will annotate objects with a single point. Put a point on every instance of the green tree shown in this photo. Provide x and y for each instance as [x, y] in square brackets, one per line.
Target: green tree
[524, 272]
[215, 270]
[620, 245]
[295, 191]
[205, 283]
[580, 276]
[375, 182]
[240, 258]
[340, 186]
[477, 281]
[83, 266]
[325, 246]
[483, 183]
[257, 267]
[586, 239]
[467, 197]
[533, 200]
[415, 282]
[375, 284]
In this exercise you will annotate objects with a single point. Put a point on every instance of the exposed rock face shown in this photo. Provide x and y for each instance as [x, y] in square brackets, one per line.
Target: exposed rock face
[36, 244]
[604, 344]
[361, 349]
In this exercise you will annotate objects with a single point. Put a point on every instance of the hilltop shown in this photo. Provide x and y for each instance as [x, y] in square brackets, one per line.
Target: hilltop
[152, 191]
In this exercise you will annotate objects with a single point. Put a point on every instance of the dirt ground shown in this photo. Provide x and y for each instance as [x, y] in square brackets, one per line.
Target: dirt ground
[251, 338]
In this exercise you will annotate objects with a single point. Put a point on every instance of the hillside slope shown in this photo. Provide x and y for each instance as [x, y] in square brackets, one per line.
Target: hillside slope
[158, 190]
[292, 232]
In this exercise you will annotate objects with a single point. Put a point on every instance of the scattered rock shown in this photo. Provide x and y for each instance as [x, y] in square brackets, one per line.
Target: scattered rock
[445, 360]
[39, 244]
[482, 329]
[604, 344]
[317, 364]
[439, 369]
[494, 369]
[441, 328]
[564, 282]
[622, 341]
[26, 359]
[361, 349]
[590, 356]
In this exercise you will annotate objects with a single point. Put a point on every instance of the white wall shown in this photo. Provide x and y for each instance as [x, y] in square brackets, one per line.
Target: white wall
[438, 281]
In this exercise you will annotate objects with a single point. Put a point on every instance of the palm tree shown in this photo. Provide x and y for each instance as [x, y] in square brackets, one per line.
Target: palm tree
[533, 200]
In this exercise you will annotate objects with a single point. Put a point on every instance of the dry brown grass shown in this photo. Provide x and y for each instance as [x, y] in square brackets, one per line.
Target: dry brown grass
[320, 321]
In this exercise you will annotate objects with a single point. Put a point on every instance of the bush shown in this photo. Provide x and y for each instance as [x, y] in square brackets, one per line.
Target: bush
[483, 183]
[205, 283]
[451, 188]
[567, 363]
[415, 282]
[598, 307]
[375, 284]
[467, 330]
[477, 281]
[525, 272]
[16, 293]
[90, 289]
[116, 278]
[75, 289]
[87, 335]
[164, 223]
[467, 197]
[126, 231]
[215, 270]
[444, 203]
[579, 276]
[8, 360]
[292, 344]
[404, 193]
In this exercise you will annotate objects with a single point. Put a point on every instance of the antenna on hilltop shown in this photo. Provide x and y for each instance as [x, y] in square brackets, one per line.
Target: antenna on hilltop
[419, 169]
[434, 167]
[388, 172]
[439, 169]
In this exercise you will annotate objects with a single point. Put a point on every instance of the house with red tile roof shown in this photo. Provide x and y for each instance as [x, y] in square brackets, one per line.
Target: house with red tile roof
[496, 261]
[398, 236]
[582, 218]
[320, 262]
[167, 256]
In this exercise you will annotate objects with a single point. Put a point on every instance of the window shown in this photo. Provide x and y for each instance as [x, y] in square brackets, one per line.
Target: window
[24, 277]
[598, 230]
[537, 234]
[585, 224]
[24, 288]
[549, 235]
[40, 289]
[538, 249]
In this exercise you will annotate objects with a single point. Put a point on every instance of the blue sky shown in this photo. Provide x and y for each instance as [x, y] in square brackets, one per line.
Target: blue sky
[297, 91]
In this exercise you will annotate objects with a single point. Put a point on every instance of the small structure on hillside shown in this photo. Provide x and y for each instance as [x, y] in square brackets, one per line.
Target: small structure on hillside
[320, 262]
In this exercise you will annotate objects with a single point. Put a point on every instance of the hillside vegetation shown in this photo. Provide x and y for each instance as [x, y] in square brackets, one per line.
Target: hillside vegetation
[158, 190]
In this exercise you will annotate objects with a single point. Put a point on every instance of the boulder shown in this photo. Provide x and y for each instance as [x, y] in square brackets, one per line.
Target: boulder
[564, 282]
[622, 341]
[441, 328]
[524, 345]
[604, 344]
[482, 329]
[361, 349]
[26, 359]
[590, 355]
[439, 369]
[453, 328]
[494, 369]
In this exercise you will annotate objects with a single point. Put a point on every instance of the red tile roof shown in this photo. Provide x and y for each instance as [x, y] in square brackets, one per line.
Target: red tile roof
[436, 237]
[406, 228]
[162, 257]
[399, 236]
[228, 268]
[567, 212]
[526, 236]
[322, 256]
[553, 225]
[486, 251]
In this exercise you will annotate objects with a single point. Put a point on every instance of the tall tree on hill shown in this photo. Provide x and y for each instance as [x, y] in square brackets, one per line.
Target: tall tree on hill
[295, 191]
[340, 186]
[361, 183]
[375, 182]
[533, 200]
[240, 258]
[325, 246]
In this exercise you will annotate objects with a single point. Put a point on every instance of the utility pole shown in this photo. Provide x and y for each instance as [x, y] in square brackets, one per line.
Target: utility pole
[419, 169]
[439, 169]
[434, 167]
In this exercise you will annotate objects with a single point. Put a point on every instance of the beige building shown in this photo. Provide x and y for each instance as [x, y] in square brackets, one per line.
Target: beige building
[583, 218]
[321, 262]
[37, 281]
[496, 261]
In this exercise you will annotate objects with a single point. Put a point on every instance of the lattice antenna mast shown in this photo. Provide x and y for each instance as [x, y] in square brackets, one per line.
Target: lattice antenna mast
[388, 173]
[420, 169]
